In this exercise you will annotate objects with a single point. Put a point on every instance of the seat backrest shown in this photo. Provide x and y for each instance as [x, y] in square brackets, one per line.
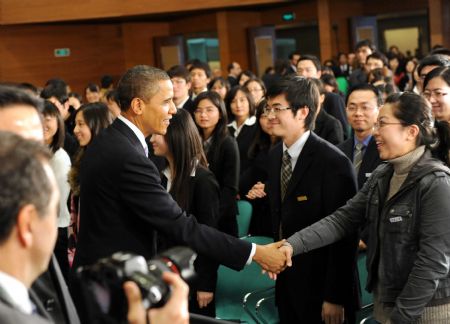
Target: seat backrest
[244, 217]
[232, 286]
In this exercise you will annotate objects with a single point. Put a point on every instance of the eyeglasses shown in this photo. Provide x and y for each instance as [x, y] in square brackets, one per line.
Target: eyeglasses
[364, 109]
[275, 110]
[436, 94]
[381, 124]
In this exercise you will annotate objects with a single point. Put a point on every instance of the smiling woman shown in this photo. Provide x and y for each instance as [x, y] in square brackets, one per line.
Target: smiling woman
[437, 92]
[405, 207]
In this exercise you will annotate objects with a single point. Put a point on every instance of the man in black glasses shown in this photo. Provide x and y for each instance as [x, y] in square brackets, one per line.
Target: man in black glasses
[308, 179]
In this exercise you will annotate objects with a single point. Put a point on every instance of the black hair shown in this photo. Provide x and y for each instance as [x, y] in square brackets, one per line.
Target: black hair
[259, 81]
[247, 73]
[92, 87]
[442, 72]
[141, 81]
[10, 96]
[377, 56]
[28, 87]
[106, 81]
[97, 117]
[23, 179]
[412, 109]
[330, 80]
[232, 94]
[112, 95]
[58, 139]
[435, 59]
[366, 87]
[201, 66]
[220, 131]
[179, 71]
[299, 93]
[365, 43]
[185, 145]
[75, 95]
[291, 55]
[222, 81]
[313, 59]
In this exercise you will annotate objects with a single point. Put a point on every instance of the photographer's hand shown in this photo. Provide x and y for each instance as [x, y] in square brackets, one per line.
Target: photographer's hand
[175, 311]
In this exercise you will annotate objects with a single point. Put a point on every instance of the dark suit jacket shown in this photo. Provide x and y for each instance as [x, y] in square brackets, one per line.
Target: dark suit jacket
[335, 106]
[204, 205]
[371, 158]
[189, 105]
[328, 128]
[9, 314]
[223, 159]
[123, 203]
[51, 290]
[244, 139]
[322, 180]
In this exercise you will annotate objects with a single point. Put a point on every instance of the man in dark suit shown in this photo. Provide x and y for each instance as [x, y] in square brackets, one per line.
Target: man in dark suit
[309, 66]
[363, 103]
[181, 80]
[124, 203]
[28, 214]
[19, 113]
[234, 70]
[309, 179]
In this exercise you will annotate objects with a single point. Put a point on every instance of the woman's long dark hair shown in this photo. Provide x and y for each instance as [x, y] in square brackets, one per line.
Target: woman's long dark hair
[232, 94]
[58, 139]
[96, 116]
[221, 130]
[186, 148]
[413, 109]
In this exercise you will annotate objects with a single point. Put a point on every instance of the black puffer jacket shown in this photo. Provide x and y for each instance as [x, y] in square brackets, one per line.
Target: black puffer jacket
[415, 238]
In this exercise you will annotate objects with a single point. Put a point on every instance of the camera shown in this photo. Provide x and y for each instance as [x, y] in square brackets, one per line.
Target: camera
[101, 284]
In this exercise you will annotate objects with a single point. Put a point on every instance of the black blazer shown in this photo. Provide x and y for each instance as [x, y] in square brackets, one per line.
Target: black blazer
[189, 105]
[371, 158]
[328, 128]
[244, 139]
[323, 180]
[123, 203]
[335, 106]
[204, 205]
[223, 160]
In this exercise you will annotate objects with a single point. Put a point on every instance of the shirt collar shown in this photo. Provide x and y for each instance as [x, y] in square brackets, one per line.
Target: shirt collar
[17, 292]
[295, 149]
[195, 95]
[365, 142]
[182, 104]
[250, 121]
[136, 131]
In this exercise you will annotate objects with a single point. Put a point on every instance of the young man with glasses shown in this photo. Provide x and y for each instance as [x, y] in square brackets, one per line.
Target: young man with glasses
[363, 103]
[308, 179]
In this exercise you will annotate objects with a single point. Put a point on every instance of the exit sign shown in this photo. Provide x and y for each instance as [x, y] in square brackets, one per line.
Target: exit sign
[61, 52]
[288, 16]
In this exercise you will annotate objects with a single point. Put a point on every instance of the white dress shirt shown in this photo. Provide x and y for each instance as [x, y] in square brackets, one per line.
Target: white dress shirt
[250, 121]
[17, 292]
[60, 164]
[136, 131]
[296, 148]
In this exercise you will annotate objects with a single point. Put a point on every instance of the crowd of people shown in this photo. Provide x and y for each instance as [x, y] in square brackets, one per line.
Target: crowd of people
[335, 158]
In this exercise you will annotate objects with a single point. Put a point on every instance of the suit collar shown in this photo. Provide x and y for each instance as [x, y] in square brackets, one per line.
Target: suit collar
[123, 128]
[136, 132]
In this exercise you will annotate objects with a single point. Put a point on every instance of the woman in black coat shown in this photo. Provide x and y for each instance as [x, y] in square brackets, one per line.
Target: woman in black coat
[196, 190]
[222, 154]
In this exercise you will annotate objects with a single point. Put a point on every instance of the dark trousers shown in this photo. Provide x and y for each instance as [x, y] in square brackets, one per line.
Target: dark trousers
[61, 252]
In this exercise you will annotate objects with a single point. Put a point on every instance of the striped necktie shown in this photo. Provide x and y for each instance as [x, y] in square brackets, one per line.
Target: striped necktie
[358, 156]
[286, 172]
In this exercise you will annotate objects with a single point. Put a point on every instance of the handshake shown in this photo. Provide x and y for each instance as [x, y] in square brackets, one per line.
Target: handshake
[274, 258]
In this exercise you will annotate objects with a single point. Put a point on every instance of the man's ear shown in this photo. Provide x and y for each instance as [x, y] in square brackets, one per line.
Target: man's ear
[137, 106]
[25, 218]
[302, 113]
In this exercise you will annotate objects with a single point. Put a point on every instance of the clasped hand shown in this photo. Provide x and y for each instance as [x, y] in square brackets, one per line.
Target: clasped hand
[273, 258]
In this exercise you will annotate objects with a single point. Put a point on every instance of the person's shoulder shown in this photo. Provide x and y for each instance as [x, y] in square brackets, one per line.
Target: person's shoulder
[325, 149]
[9, 315]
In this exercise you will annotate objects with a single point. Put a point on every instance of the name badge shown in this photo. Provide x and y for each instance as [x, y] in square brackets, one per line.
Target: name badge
[396, 219]
[302, 198]
[368, 175]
